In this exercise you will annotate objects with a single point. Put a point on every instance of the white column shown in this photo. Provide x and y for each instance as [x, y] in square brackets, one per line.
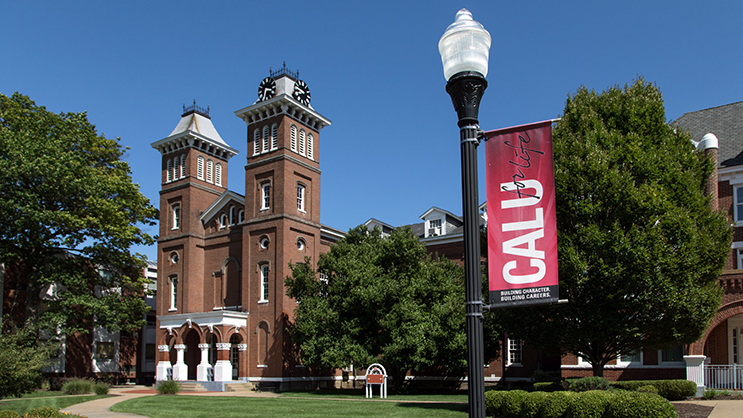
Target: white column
[695, 371]
[163, 366]
[223, 368]
[180, 369]
[202, 370]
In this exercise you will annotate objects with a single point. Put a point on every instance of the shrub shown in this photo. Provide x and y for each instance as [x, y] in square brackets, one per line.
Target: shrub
[639, 405]
[673, 390]
[544, 376]
[512, 403]
[169, 387]
[101, 388]
[9, 414]
[494, 401]
[648, 389]
[532, 404]
[547, 386]
[556, 404]
[585, 384]
[43, 412]
[590, 404]
[712, 393]
[78, 386]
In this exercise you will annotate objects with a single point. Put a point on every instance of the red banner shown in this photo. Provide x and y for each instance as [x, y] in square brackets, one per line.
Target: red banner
[522, 234]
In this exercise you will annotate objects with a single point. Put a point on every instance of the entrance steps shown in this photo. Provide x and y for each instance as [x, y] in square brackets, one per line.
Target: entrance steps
[192, 387]
[239, 387]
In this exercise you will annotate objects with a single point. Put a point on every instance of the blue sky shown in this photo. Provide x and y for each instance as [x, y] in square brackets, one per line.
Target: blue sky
[373, 68]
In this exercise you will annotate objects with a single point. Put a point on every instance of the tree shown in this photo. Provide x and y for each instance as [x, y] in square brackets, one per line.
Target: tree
[639, 247]
[381, 300]
[69, 214]
[22, 356]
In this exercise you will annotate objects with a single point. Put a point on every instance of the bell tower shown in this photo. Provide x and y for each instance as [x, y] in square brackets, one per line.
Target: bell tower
[282, 210]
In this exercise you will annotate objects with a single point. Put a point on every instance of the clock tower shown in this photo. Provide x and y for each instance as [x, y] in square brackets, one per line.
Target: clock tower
[282, 214]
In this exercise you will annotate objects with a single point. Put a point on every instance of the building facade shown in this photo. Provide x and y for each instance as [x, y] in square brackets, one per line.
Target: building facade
[222, 312]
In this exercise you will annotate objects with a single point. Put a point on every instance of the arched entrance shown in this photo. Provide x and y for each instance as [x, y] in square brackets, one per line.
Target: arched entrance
[192, 354]
[235, 355]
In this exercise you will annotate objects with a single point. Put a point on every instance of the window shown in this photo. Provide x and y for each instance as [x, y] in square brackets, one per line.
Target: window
[241, 216]
[257, 142]
[264, 242]
[300, 198]
[168, 174]
[173, 292]
[294, 138]
[515, 351]
[434, 227]
[176, 216]
[176, 168]
[151, 318]
[301, 244]
[200, 168]
[673, 354]
[739, 253]
[274, 137]
[739, 204]
[264, 283]
[149, 352]
[310, 145]
[265, 139]
[209, 171]
[265, 196]
[104, 350]
[183, 166]
[233, 215]
[301, 142]
[218, 174]
[635, 357]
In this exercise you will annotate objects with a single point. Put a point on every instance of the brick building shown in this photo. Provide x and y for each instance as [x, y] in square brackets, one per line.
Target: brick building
[222, 312]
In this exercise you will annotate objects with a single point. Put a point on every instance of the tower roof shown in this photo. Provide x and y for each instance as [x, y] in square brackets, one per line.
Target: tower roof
[196, 130]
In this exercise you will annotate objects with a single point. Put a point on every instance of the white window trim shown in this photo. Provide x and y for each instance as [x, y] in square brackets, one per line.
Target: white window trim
[302, 201]
[175, 212]
[265, 197]
[200, 168]
[738, 222]
[257, 141]
[662, 362]
[264, 272]
[620, 362]
[173, 293]
[521, 353]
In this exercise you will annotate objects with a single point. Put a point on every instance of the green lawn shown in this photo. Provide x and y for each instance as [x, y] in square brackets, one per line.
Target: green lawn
[359, 394]
[54, 399]
[285, 406]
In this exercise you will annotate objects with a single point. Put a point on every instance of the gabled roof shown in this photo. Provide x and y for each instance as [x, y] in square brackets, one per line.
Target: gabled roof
[377, 223]
[726, 122]
[442, 211]
[220, 204]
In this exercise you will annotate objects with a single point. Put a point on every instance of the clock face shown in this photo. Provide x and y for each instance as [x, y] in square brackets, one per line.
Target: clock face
[267, 89]
[301, 92]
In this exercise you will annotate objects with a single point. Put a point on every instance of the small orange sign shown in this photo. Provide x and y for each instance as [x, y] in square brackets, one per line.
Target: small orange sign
[374, 378]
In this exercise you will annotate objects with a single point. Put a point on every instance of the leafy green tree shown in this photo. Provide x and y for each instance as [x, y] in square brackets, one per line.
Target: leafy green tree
[639, 246]
[381, 299]
[22, 356]
[69, 214]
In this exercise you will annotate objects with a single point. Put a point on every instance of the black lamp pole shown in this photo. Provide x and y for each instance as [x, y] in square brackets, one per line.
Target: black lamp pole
[466, 89]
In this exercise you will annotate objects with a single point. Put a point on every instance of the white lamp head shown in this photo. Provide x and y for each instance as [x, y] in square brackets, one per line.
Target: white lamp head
[465, 46]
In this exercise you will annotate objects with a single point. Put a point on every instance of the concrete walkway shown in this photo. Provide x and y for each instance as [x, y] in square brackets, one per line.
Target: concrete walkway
[101, 408]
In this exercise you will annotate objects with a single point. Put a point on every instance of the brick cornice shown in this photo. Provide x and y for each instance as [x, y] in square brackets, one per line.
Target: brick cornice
[282, 157]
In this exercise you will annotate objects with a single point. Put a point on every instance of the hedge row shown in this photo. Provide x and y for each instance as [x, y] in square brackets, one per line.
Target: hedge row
[590, 404]
[673, 390]
[40, 412]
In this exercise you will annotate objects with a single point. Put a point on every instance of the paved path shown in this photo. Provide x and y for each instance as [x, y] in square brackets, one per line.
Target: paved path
[101, 408]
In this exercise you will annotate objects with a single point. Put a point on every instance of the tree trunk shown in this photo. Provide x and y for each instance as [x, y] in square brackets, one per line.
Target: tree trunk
[598, 369]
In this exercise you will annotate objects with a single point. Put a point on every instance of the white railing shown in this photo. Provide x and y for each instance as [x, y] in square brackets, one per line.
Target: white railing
[728, 376]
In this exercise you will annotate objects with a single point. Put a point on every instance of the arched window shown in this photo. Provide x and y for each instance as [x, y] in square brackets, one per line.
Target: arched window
[176, 168]
[233, 215]
[274, 137]
[218, 174]
[183, 166]
[173, 292]
[265, 196]
[310, 146]
[266, 138]
[176, 214]
[222, 220]
[294, 138]
[168, 175]
[301, 142]
[264, 283]
[200, 168]
[257, 141]
[262, 332]
[209, 171]
[300, 198]
[241, 216]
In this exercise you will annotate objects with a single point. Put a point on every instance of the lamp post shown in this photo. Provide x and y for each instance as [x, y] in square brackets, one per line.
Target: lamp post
[464, 49]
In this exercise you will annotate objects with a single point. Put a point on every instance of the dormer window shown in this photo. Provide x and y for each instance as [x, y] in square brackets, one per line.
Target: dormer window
[233, 215]
[434, 228]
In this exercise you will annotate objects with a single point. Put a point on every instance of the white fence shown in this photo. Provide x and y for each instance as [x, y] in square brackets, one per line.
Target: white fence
[723, 376]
